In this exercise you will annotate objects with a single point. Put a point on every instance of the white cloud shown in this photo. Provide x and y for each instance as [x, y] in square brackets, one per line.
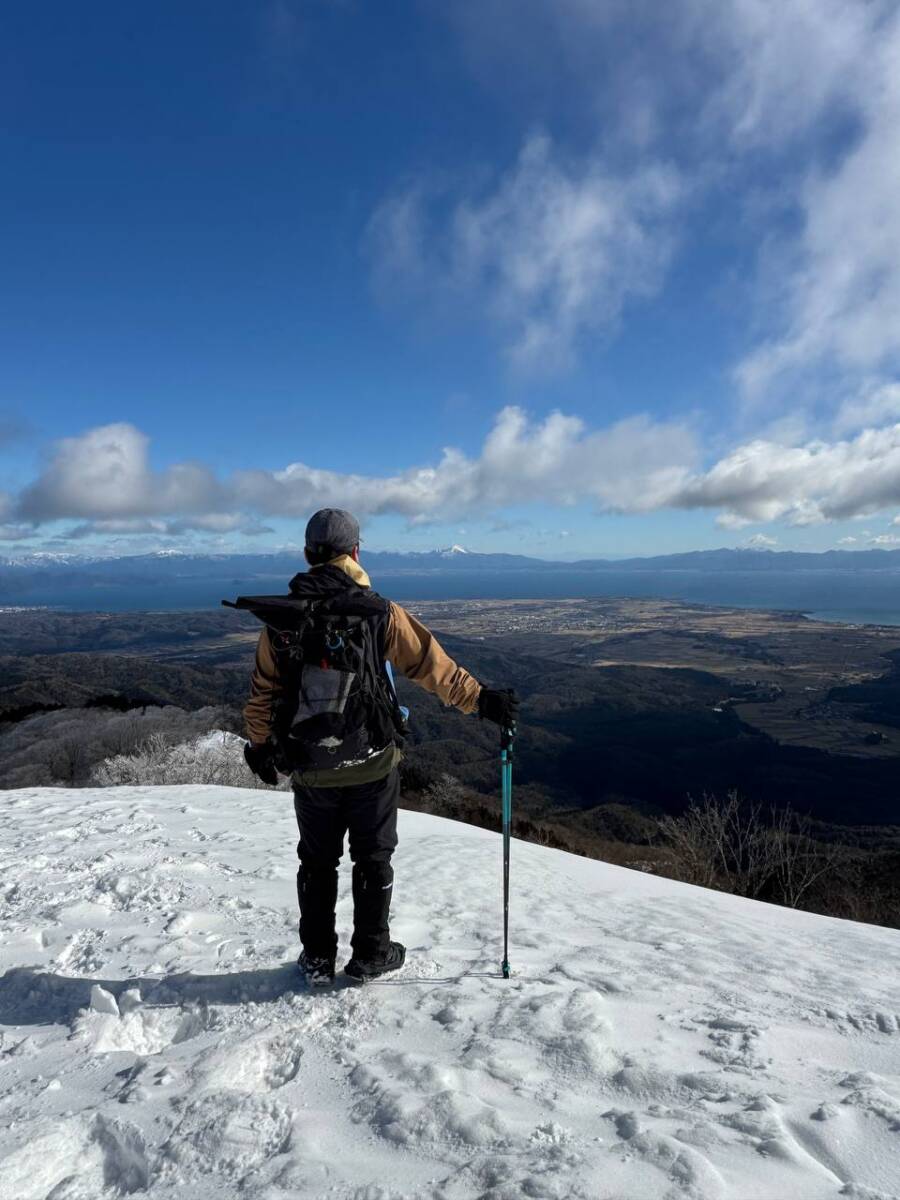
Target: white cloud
[792, 104]
[873, 406]
[105, 473]
[760, 541]
[847, 541]
[554, 250]
[631, 465]
[781, 64]
[217, 522]
[885, 539]
[818, 481]
[634, 466]
[732, 520]
[200, 523]
[752, 71]
[837, 286]
[116, 527]
[104, 479]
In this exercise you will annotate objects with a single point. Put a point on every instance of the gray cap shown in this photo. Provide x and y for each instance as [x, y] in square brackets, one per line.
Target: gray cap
[334, 528]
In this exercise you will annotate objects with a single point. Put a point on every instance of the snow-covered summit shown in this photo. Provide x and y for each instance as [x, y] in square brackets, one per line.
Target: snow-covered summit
[655, 1041]
[43, 558]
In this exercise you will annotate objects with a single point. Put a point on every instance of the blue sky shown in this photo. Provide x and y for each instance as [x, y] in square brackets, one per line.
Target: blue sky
[590, 281]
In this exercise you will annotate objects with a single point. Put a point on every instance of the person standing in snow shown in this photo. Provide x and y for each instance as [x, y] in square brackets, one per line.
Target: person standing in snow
[300, 720]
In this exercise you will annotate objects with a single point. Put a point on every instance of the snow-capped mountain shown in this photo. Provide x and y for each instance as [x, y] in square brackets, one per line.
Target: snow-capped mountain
[48, 558]
[457, 558]
[655, 1041]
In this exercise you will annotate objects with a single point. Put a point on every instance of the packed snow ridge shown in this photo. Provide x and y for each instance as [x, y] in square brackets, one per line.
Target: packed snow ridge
[655, 1041]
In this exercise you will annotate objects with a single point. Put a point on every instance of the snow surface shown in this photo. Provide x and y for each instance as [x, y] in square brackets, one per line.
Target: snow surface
[655, 1040]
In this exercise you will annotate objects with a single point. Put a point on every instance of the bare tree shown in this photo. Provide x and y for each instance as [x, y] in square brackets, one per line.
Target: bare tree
[797, 859]
[719, 844]
[445, 794]
[692, 844]
[124, 734]
[68, 761]
[727, 845]
[542, 835]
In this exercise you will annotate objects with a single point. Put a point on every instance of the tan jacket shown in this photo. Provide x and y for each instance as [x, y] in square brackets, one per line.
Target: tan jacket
[412, 650]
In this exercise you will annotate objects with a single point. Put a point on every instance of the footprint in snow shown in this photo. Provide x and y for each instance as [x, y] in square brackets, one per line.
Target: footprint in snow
[691, 1173]
[567, 1027]
[226, 1134]
[409, 1099]
[735, 1043]
[259, 1063]
[865, 1021]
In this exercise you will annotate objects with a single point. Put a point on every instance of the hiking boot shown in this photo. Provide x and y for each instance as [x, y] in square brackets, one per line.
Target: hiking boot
[364, 969]
[318, 971]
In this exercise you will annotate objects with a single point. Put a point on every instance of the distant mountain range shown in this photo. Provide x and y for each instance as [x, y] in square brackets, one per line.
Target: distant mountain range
[71, 569]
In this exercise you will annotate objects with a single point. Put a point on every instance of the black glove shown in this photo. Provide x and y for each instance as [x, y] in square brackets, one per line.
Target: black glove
[260, 758]
[501, 707]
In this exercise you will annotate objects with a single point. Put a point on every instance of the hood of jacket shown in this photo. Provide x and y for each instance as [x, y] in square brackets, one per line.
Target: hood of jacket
[343, 567]
[350, 567]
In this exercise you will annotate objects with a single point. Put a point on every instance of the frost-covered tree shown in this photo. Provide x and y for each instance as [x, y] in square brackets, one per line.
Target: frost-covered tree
[214, 758]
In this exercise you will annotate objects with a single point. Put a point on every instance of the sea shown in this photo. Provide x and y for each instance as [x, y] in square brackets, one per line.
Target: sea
[850, 597]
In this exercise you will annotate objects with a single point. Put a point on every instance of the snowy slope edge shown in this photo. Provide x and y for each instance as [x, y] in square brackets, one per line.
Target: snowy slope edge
[655, 1040]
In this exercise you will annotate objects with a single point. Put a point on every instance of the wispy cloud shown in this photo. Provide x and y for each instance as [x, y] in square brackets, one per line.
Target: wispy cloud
[870, 408]
[839, 281]
[202, 523]
[795, 103]
[777, 67]
[553, 249]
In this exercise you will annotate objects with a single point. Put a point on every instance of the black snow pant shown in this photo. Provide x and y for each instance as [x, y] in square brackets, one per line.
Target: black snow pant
[324, 815]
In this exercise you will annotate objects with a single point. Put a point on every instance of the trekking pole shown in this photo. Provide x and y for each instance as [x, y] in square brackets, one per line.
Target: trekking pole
[506, 757]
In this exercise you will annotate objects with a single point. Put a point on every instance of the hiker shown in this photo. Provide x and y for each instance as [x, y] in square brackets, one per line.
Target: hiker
[338, 733]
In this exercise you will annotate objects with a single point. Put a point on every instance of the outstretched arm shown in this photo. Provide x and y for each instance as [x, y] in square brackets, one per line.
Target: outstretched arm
[416, 653]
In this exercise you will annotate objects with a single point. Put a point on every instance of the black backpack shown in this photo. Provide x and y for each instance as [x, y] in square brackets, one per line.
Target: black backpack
[337, 706]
